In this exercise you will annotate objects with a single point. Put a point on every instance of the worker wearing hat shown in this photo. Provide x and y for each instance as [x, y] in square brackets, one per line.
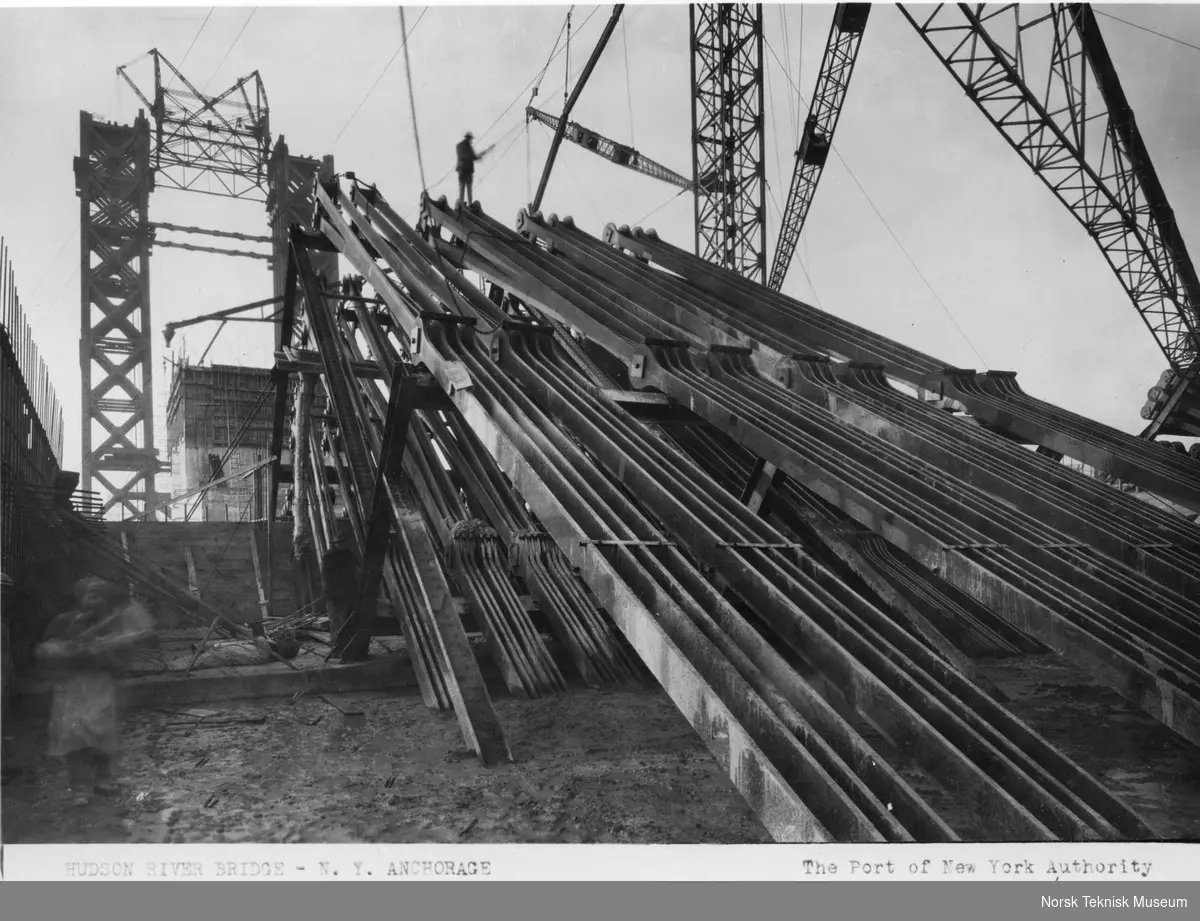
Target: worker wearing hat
[466, 167]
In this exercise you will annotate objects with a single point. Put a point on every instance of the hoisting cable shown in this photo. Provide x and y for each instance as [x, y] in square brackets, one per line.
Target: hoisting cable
[567, 72]
[412, 101]
[628, 88]
[508, 108]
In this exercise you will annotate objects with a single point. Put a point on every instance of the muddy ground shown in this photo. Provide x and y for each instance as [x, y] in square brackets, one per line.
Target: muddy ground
[590, 766]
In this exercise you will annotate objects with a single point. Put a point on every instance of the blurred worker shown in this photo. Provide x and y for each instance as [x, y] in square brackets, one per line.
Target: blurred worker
[85, 647]
[466, 167]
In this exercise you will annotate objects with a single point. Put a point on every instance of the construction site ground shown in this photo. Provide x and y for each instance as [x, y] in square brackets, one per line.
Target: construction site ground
[612, 765]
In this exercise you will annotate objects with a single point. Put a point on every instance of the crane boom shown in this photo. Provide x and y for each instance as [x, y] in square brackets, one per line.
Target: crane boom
[841, 51]
[609, 149]
[1042, 76]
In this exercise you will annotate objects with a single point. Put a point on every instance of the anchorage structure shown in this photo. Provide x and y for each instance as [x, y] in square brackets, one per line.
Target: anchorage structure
[728, 138]
[618, 443]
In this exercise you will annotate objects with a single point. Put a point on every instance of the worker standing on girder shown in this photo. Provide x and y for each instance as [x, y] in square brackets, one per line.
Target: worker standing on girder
[84, 648]
[466, 167]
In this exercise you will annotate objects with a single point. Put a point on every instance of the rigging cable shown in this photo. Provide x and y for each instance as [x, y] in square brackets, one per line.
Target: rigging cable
[628, 88]
[412, 103]
[549, 60]
[195, 38]
[800, 75]
[412, 99]
[787, 53]
[232, 44]
[774, 133]
[515, 100]
[1170, 38]
[567, 72]
[403, 45]
[892, 233]
[651, 214]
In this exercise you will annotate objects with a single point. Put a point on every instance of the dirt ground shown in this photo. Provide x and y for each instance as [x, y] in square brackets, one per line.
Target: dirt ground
[590, 766]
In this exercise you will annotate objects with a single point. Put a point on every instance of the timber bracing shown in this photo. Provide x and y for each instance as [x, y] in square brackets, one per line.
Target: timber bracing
[728, 137]
[113, 179]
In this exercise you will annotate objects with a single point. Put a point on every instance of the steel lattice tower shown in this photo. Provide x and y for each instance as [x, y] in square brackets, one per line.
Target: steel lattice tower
[728, 140]
[224, 140]
[113, 179]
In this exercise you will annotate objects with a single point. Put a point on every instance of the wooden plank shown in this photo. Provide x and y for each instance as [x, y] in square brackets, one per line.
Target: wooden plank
[258, 581]
[193, 582]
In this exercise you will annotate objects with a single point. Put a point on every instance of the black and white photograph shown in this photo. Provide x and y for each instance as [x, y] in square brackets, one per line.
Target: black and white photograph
[648, 424]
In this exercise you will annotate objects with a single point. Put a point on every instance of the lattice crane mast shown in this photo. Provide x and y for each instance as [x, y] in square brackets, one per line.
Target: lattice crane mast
[615, 151]
[837, 66]
[1042, 75]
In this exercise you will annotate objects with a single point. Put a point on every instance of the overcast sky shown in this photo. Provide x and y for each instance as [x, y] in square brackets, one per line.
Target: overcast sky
[920, 171]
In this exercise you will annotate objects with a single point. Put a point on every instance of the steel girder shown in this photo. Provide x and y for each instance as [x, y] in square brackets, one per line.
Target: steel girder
[1042, 75]
[833, 80]
[995, 398]
[113, 179]
[803, 604]
[728, 137]
[609, 149]
[1139, 636]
